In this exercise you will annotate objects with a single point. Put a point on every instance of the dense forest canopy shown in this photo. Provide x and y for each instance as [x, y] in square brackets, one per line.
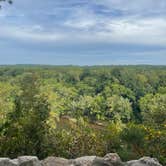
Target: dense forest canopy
[70, 111]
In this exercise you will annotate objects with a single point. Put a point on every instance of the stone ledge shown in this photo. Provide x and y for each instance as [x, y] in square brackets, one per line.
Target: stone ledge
[111, 159]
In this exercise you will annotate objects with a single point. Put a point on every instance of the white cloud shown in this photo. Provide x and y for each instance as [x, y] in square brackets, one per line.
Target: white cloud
[80, 24]
[31, 34]
[127, 31]
[142, 31]
[86, 27]
[146, 31]
[143, 6]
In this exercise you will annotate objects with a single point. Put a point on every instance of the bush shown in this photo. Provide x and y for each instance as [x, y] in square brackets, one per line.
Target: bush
[133, 136]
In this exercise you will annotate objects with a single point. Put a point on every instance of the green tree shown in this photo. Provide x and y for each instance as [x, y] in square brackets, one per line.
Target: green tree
[87, 106]
[6, 100]
[120, 90]
[134, 136]
[25, 130]
[153, 110]
[119, 108]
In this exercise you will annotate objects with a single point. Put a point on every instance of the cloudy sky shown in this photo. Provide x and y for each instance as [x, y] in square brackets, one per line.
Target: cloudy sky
[83, 32]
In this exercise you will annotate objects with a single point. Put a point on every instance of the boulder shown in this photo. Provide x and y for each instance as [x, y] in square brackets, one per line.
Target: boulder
[28, 161]
[15, 161]
[83, 161]
[8, 162]
[55, 161]
[114, 159]
[144, 161]
[99, 161]
[111, 159]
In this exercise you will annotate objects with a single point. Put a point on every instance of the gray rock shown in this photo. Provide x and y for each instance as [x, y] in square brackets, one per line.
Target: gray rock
[98, 161]
[144, 161]
[28, 161]
[111, 159]
[8, 162]
[114, 159]
[15, 161]
[55, 161]
[83, 161]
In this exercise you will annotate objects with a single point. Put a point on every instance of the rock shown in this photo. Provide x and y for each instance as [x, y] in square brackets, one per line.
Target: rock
[114, 159]
[83, 161]
[15, 161]
[98, 161]
[8, 162]
[144, 161]
[28, 161]
[5, 161]
[111, 159]
[55, 161]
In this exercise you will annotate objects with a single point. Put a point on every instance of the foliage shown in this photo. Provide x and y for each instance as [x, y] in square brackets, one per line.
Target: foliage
[72, 111]
[155, 143]
[26, 125]
[119, 109]
[75, 141]
[134, 136]
[154, 109]
[6, 100]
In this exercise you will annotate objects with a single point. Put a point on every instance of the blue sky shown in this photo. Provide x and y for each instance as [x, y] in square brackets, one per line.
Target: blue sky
[83, 32]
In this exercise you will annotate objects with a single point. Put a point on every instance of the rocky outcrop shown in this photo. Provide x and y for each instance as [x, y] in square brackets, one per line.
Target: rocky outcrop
[86, 160]
[20, 161]
[145, 161]
[55, 161]
[111, 159]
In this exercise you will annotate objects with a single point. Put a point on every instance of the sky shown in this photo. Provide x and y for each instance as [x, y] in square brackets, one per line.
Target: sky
[83, 32]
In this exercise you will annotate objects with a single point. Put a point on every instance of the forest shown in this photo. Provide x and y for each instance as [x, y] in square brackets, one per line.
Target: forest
[71, 111]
